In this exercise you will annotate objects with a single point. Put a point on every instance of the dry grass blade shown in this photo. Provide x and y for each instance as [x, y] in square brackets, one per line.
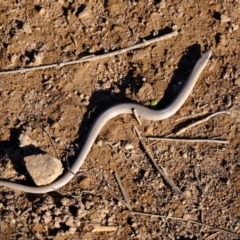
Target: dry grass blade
[199, 122]
[104, 229]
[187, 140]
[212, 235]
[55, 149]
[189, 221]
[123, 191]
[115, 196]
[25, 225]
[137, 117]
[163, 174]
[93, 57]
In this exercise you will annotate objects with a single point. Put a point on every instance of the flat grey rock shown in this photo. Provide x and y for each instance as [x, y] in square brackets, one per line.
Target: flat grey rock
[43, 168]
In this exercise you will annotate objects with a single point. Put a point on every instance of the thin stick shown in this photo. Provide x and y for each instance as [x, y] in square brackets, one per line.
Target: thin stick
[199, 122]
[212, 235]
[123, 191]
[137, 117]
[163, 174]
[52, 143]
[188, 140]
[104, 229]
[115, 196]
[183, 220]
[25, 225]
[201, 114]
[91, 58]
[158, 216]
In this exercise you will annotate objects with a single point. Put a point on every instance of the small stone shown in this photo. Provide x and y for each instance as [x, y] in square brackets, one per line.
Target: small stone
[13, 221]
[61, 2]
[56, 224]
[43, 168]
[26, 28]
[174, 27]
[81, 96]
[57, 212]
[222, 40]
[42, 11]
[224, 18]
[149, 130]
[88, 205]
[14, 58]
[99, 143]
[237, 82]
[46, 219]
[187, 194]
[145, 91]
[86, 102]
[69, 221]
[85, 183]
[128, 146]
[72, 230]
[26, 141]
[162, 4]
[9, 196]
[234, 27]
[38, 58]
[36, 220]
[65, 201]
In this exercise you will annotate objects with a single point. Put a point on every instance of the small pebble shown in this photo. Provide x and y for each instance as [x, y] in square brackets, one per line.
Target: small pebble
[56, 224]
[72, 230]
[128, 146]
[174, 27]
[149, 130]
[69, 221]
[162, 4]
[225, 18]
[233, 28]
[237, 82]
[26, 28]
[42, 11]
[8, 196]
[14, 58]
[99, 143]
[65, 201]
[85, 183]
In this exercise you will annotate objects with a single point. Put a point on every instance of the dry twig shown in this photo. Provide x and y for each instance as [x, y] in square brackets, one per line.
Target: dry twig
[199, 122]
[25, 225]
[115, 196]
[188, 221]
[137, 117]
[187, 140]
[123, 191]
[163, 174]
[91, 58]
[45, 130]
[104, 229]
[184, 118]
[212, 235]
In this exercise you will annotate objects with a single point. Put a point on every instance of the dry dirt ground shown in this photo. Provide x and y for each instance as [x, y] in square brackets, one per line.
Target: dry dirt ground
[64, 102]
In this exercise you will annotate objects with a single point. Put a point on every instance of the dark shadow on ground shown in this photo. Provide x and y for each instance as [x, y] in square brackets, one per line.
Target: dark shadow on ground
[100, 101]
